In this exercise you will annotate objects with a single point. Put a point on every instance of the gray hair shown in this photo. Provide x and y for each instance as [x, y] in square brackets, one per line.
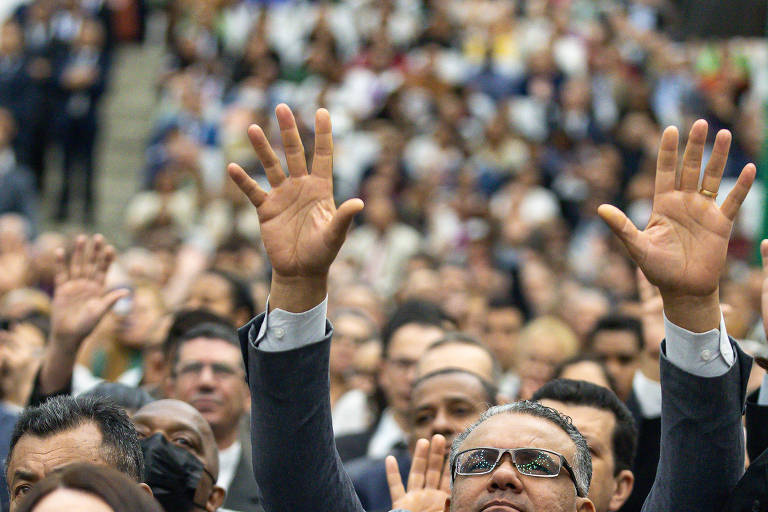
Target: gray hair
[582, 461]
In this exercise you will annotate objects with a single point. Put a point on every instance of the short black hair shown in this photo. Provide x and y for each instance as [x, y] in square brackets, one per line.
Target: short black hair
[420, 312]
[120, 447]
[615, 322]
[240, 294]
[212, 330]
[185, 320]
[579, 392]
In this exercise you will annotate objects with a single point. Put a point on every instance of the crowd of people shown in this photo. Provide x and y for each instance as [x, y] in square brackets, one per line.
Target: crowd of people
[324, 322]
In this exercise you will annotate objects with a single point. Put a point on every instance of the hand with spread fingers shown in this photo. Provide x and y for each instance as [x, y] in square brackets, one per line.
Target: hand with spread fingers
[428, 480]
[682, 250]
[301, 228]
[79, 303]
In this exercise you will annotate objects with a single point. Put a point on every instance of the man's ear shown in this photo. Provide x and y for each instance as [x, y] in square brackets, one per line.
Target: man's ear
[625, 481]
[584, 505]
[147, 489]
[447, 507]
[216, 499]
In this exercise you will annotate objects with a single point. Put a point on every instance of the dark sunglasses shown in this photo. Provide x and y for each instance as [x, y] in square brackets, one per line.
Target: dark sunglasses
[528, 461]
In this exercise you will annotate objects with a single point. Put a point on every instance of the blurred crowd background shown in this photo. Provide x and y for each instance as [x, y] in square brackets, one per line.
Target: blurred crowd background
[481, 134]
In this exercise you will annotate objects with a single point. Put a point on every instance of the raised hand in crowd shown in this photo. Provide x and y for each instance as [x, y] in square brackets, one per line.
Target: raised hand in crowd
[428, 481]
[683, 248]
[80, 301]
[301, 228]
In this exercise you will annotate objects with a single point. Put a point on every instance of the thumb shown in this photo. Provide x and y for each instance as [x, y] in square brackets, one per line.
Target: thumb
[622, 227]
[108, 300]
[341, 221]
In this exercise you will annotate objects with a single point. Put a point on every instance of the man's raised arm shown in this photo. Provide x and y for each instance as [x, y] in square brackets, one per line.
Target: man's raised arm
[286, 350]
[682, 251]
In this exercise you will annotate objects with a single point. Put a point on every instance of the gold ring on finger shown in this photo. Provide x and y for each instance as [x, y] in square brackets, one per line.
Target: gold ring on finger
[708, 193]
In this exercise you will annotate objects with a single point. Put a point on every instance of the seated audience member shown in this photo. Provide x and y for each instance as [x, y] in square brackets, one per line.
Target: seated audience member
[445, 402]
[682, 252]
[350, 406]
[223, 294]
[586, 367]
[207, 373]
[64, 430]
[618, 340]
[411, 328]
[181, 462]
[543, 344]
[87, 487]
[610, 431]
[503, 322]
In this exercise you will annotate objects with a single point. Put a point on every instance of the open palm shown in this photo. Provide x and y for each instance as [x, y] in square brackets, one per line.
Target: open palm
[683, 248]
[301, 228]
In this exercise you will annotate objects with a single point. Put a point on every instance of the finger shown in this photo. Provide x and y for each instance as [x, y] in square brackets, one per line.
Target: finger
[445, 480]
[666, 162]
[395, 483]
[435, 462]
[418, 466]
[322, 162]
[106, 257]
[713, 172]
[294, 149]
[76, 261]
[694, 149]
[340, 222]
[272, 168]
[623, 228]
[736, 196]
[61, 274]
[93, 256]
[108, 300]
[247, 186]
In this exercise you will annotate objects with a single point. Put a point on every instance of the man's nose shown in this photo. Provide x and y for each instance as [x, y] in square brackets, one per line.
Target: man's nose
[442, 424]
[207, 378]
[505, 476]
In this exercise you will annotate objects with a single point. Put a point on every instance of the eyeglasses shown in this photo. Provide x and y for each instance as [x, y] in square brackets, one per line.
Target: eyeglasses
[528, 461]
[220, 371]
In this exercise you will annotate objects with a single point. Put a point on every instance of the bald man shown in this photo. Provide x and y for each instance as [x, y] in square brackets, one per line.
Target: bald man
[180, 455]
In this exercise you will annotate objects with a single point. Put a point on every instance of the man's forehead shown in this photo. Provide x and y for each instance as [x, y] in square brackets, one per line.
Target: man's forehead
[519, 430]
[592, 422]
[41, 455]
[172, 415]
[458, 384]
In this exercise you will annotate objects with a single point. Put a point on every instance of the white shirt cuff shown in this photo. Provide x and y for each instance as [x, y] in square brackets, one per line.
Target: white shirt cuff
[282, 331]
[706, 354]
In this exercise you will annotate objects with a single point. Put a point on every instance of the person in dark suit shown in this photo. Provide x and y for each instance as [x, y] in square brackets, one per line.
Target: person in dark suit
[682, 252]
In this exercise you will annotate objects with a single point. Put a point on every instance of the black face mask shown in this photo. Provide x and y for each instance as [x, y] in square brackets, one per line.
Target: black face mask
[172, 473]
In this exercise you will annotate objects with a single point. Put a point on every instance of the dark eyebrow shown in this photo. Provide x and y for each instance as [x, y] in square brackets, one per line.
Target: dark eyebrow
[21, 474]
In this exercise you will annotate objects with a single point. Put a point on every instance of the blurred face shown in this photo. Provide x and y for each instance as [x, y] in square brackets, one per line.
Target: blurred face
[597, 426]
[11, 38]
[505, 488]
[446, 404]
[212, 292]
[461, 356]
[33, 457]
[138, 327]
[536, 365]
[621, 352]
[209, 376]
[71, 499]
[184, 427]
[349, 331]
[501, 330]
[407, 345]
[589, 371]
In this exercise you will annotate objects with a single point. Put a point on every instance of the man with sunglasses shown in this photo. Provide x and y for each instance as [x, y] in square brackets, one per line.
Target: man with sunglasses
[682, 252]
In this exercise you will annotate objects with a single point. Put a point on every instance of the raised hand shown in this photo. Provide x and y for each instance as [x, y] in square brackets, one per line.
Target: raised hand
[428, 480]
[301, 228]
[683, 248]
[79, 298]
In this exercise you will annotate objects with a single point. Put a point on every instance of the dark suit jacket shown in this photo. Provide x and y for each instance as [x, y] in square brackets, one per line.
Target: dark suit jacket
[751, 493]
[647, 458]
[354, 446]
[369, 476]
[702, 451]
[243, 494]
